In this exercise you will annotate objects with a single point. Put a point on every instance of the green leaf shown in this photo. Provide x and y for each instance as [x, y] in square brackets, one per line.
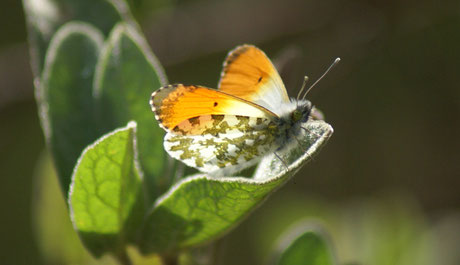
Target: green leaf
[106, 198]
[65, 96]
[44, 18]
[306, 245]
[52, 221]
[201, 208]
[127, 73]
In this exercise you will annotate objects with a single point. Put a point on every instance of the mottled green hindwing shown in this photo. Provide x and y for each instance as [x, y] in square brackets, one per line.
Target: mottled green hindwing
[222, 144]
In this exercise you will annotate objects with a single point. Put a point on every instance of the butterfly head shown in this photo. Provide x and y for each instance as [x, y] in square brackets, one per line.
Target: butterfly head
[302, 111]
[290, 124]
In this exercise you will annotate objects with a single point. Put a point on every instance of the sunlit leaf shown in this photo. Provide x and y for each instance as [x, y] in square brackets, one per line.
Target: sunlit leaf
[127, 74]
[201, 207]
[106, 196]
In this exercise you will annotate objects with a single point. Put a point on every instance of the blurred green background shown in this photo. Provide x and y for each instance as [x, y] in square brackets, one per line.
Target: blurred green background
[386, 186]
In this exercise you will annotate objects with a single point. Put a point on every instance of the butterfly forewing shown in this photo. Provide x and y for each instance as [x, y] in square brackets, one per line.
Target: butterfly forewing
[249, 74]
[175, 104]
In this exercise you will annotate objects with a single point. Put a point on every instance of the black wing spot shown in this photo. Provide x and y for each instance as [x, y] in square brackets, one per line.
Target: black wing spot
[260, 79]
[215, 104]
[194, 120]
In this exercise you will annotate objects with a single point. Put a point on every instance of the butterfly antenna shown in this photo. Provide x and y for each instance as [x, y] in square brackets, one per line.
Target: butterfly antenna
[336, 61]
[303, 87]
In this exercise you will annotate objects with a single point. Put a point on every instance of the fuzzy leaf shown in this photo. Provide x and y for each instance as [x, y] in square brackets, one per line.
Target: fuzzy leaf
[306, 245]
[201, 207]
[44, 18]
[106, 198]
[126, 75]
[65, 95]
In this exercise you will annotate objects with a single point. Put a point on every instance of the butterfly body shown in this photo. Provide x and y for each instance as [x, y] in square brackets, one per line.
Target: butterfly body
[226, 130]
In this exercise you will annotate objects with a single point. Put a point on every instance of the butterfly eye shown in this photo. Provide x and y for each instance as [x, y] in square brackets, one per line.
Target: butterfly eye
[296, 115]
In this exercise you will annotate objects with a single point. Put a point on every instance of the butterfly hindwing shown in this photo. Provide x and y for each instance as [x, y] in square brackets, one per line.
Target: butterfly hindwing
[249, 74]
[225, 144]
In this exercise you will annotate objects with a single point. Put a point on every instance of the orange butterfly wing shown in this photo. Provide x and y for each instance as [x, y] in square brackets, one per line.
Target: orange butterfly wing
[249, 74]
[175, 104]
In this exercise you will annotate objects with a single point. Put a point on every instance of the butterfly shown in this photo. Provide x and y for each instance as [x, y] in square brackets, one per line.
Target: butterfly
[223, 131]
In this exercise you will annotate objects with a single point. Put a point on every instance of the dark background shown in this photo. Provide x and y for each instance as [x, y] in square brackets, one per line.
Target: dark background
[386, 186]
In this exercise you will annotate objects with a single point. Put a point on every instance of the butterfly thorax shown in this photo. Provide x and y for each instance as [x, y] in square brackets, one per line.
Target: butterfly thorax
[289, 123]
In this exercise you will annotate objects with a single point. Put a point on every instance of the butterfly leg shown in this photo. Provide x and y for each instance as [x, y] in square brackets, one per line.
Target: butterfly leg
[305, 150]
[300, 144]
[282, 161]
[311, 132]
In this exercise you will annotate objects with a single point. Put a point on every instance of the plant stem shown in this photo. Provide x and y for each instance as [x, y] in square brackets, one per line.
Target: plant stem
[123, 258]
[215, 252]
[169, 259]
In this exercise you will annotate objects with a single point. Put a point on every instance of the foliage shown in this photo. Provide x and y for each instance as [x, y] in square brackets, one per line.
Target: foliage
[306, 244]
[94, 76]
